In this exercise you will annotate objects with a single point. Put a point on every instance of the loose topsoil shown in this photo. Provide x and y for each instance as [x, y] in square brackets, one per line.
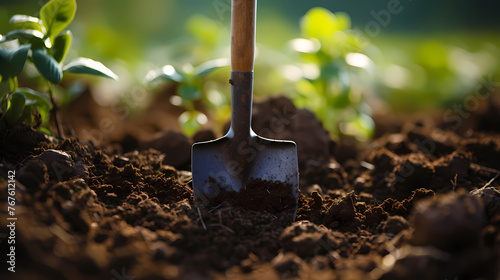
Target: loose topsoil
[420, 202]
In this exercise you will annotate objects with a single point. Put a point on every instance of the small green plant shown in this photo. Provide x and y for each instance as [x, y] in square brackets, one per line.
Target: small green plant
[190, 89]
[44, 42]
[331, 58]
[20, 104]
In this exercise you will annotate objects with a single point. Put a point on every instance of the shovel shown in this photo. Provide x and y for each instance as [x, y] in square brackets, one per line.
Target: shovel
[243, 168]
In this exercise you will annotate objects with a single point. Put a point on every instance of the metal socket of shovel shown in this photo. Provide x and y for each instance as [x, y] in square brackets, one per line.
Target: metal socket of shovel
[243, 168]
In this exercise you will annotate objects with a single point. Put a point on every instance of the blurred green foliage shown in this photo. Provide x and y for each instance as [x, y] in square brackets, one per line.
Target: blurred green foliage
[42, 42]
[190, 88]
[331, 54]
[419, 61]
[431, 72]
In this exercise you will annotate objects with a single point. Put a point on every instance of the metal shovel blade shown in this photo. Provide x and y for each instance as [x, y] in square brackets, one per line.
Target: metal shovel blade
[243, 168]
[217, 171]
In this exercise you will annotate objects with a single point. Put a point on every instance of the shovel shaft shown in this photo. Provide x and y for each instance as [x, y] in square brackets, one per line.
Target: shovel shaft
[243, 34]
[241, 106]
[242, 60]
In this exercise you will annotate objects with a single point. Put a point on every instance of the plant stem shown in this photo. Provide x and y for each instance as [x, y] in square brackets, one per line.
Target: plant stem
[55, 110]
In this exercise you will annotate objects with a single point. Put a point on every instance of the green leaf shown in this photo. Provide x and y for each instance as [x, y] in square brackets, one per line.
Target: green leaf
[3, 102]
[56, 15]
[4, 54]
[24, 34]
[30, 102]
[41, 102]
[61, 46]
[318, 22]
[47, 66]
[1, 77]
[33, 37]
[88, 66]
[4, 62]
[27, 22]
[189, 92]
[39, 97]
[211, 65]
[12, 61]
[13, 83]
[168, 72]
[15, 109]
[321, 23]
[18, 58]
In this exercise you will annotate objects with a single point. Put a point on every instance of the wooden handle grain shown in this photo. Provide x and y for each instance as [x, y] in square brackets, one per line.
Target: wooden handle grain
[243, 14]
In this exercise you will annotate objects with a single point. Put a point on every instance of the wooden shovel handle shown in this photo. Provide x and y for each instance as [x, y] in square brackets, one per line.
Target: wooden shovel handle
[243, 34]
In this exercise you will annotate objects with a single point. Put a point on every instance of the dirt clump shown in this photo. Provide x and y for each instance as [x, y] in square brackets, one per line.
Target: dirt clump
[175, 146]
[308, 240]
[278, 118]
[438, 220]
[491, 200]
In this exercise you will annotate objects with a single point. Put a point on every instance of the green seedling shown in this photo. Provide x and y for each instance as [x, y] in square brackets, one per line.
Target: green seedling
[331, 53]
[44, 42]
[20, 104]
[190, 88]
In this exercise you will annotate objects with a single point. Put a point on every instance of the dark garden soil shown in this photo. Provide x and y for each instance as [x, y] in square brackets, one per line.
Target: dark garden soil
[421, 201]
[260, 195]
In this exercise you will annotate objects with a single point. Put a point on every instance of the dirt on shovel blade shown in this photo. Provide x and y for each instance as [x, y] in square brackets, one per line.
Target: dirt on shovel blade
[261, 195]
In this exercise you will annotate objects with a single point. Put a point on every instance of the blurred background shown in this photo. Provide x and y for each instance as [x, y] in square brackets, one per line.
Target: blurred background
[344, 60]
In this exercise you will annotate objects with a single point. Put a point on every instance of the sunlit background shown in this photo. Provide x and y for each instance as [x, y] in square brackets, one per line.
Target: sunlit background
[343, 63]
